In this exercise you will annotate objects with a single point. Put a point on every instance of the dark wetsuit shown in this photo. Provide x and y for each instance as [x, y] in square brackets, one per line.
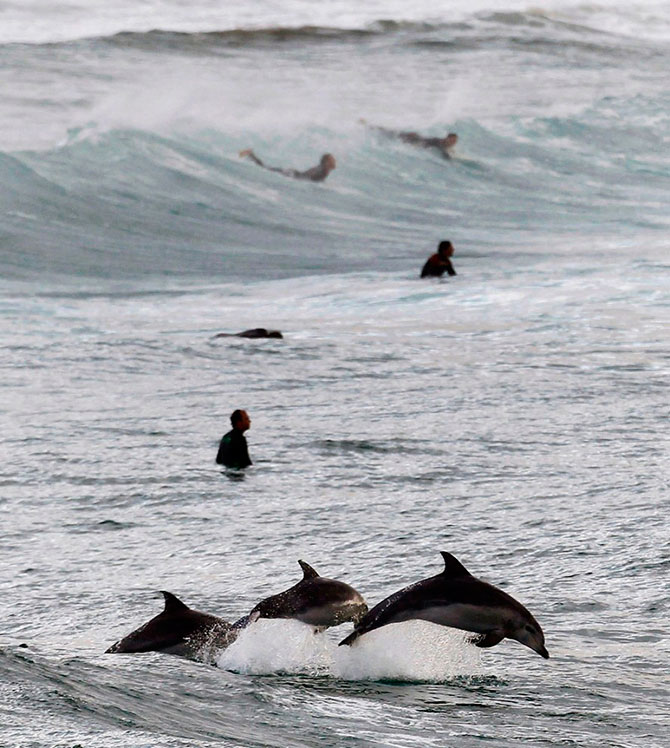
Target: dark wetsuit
[416, 139]
[257, 332]
[233, 451]
[437, 266]
[315, 174]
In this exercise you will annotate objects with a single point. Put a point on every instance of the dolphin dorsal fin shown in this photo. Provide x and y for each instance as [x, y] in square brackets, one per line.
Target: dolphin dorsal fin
[172, 603]
[307, 571]
[453, 567]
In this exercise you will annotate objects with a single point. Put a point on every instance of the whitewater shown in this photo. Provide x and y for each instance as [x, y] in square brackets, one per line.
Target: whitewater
[514, 415]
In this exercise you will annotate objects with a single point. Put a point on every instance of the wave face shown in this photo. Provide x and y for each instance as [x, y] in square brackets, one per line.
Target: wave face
[132, 203]
[119, 151]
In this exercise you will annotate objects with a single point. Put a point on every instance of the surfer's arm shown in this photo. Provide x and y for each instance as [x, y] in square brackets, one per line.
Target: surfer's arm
[248, 153]
[382, 130]
[224, 446]
[244, 455]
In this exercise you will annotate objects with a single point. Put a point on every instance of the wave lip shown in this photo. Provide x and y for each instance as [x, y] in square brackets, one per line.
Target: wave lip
[291, 22]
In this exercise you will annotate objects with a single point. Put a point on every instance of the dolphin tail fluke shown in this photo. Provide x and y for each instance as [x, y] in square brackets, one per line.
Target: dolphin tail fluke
[349, 640]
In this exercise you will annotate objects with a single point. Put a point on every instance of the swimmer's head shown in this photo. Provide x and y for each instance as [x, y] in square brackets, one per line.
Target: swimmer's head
[240, 420]
[446, 249]
[328, 161]
[451, 140]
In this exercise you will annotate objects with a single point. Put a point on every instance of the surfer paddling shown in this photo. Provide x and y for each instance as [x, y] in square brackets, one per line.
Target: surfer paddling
[443, 145]
[256, 332]
[439, 263]
[315, 174]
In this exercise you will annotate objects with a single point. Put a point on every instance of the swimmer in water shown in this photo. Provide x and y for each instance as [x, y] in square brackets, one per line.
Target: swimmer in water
[256, 332]
[315, 174]
[233, 451]
[439, 263]
[443, 145]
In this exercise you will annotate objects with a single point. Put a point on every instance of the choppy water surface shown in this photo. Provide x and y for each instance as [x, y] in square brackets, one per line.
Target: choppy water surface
[518, 423]
[515, 415]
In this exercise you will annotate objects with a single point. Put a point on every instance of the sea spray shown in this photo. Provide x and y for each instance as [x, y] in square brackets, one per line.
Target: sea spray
[278, 646]
[411, 651]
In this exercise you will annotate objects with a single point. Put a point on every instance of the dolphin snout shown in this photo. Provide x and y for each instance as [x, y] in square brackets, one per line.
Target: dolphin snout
[542, 651]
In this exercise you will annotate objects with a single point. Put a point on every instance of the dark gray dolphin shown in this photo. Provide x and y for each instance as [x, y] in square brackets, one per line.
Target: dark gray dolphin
[180, 630]
[456, 599]
[315, 600]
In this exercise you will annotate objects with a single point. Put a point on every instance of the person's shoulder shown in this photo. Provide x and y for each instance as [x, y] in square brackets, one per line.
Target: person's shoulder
[427, 267]
[314, 174]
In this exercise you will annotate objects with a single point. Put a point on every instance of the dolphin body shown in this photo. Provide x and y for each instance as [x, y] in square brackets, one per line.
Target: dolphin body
[456, 599]
[315, 600]
[182, 631]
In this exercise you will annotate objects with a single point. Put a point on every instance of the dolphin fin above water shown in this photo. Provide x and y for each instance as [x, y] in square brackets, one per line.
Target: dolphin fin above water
[456, 599]
[173, 605]
[453, 567]
[308, 571]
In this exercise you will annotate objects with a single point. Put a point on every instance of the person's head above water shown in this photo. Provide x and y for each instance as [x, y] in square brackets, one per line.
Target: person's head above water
[240, 420]
[446, 249]
[451, 140]
[328, 161]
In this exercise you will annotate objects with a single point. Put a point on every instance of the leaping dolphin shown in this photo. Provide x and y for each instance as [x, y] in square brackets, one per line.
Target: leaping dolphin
[180, 630]
[456, 599]
[315, 600]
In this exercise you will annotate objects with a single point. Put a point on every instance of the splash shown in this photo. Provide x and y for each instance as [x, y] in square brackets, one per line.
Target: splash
[278, 646]
[412, 651]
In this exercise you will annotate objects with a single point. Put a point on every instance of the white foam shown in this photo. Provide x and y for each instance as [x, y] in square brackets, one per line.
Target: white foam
[411, 651]
[277, 646]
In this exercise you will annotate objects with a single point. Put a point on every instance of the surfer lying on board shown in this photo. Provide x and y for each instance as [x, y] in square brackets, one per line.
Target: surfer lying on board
[315, 174]
[443, 145]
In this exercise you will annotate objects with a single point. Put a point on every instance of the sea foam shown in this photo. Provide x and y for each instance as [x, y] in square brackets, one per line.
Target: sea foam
[411, 651]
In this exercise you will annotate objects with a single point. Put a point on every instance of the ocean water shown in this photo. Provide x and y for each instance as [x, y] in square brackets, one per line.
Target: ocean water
[515, 415]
